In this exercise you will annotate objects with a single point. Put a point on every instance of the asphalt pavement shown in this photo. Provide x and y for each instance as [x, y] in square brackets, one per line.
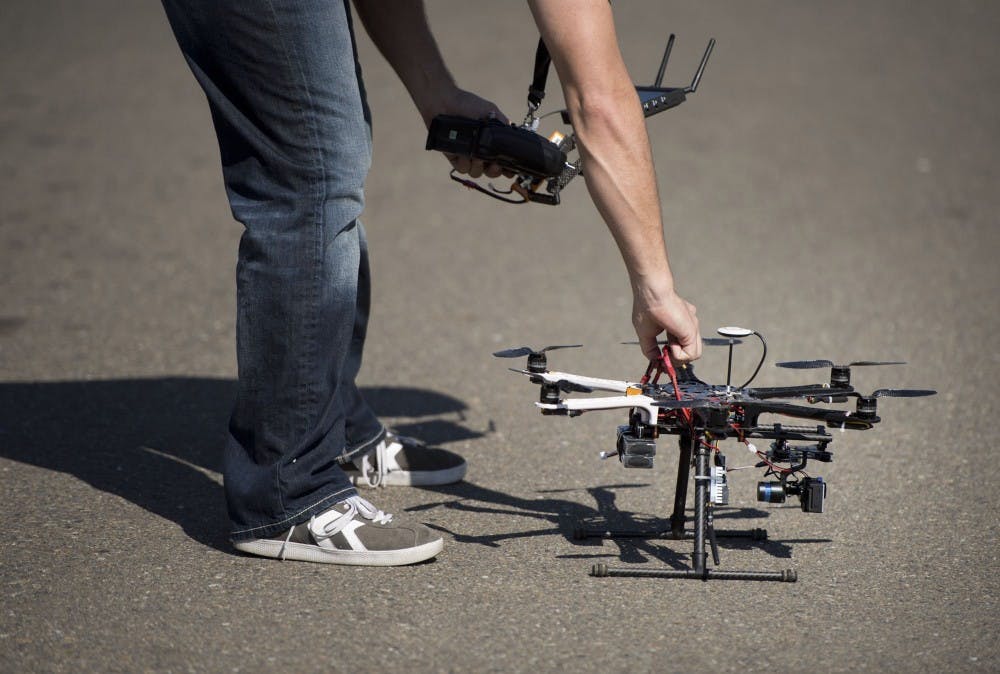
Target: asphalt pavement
[832, 184]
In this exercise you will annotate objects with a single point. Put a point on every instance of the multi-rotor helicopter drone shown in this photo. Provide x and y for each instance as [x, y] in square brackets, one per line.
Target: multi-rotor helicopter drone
[703, 414]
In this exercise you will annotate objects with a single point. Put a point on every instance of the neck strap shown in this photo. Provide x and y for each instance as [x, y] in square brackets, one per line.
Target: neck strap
[536, 92]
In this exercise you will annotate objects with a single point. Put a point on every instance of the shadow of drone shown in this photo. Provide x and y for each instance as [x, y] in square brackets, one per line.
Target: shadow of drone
[562, 514]
[566, 516]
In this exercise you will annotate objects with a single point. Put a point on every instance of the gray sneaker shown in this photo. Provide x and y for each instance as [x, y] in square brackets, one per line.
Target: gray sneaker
[352, 532]
[401, 461]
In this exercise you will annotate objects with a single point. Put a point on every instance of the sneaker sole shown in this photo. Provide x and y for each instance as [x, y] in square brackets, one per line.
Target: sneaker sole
[303, 552]
[414, 478]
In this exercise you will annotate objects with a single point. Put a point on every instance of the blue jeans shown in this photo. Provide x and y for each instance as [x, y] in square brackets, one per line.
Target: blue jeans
[294, 131]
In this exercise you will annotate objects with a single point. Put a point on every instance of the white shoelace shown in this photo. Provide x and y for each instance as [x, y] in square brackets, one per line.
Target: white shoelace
[355, 506]
[374, 475]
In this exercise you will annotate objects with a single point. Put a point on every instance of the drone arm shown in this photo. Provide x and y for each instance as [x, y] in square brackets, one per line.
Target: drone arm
[831, 417]
[596, 383]
[644, 404]
[818, 391]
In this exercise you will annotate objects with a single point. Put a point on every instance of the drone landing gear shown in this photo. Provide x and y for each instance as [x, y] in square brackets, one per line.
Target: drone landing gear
[704, 528]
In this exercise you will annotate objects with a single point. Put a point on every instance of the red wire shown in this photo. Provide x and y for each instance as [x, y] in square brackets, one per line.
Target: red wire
[672, 373]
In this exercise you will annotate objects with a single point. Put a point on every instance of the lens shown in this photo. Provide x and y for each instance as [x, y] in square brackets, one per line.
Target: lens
[771, 492]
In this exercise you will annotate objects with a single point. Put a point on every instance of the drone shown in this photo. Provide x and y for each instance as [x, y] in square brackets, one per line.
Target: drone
[702, 415]
[540, 165]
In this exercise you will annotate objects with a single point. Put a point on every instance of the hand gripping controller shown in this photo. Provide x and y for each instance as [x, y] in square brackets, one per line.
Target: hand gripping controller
[540, 165]
[514, 149]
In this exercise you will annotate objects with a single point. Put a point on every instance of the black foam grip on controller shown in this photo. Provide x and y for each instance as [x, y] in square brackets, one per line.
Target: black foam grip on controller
[521, 149]
[454, 135]
[513, 148]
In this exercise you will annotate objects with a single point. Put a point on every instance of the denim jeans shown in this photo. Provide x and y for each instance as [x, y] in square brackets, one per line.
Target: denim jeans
[288, 104]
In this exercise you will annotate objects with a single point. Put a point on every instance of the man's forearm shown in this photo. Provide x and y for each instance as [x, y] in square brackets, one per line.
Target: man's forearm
[618, 170]
[400, 31]
[611, 131]
[617, 164]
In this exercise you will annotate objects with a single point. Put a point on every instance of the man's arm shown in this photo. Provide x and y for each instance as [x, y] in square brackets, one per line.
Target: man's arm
[617, 163]
[400, 31]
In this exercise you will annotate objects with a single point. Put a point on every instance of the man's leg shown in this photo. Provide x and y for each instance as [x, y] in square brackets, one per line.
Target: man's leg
[373, 456]
[363, 430]
[288, 109]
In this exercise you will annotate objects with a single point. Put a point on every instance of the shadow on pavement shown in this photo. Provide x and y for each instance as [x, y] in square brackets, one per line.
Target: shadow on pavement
[564, 517]
[158, 442]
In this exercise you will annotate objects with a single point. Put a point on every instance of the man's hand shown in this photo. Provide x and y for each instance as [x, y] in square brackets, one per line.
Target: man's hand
[673, 314]
[404, 38]
[463, 103]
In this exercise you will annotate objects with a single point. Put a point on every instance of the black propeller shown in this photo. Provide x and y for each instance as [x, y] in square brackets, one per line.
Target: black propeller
[537, 362]
[868, 406]
[709, 341]
[840, 375]
[899, 393]
[720, 341]
[516, 352]
[816, 364]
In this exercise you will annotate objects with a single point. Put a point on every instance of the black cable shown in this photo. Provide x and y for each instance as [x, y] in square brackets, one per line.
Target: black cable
[763, 357]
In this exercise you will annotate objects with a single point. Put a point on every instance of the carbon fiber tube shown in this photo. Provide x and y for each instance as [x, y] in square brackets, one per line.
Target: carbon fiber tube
[701, 477]
[580, 533]
[604, 571]
[595, 532]
[680, 493]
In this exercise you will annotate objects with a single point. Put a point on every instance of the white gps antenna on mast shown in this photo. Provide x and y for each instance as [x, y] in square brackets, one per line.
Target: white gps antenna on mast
[733, 333]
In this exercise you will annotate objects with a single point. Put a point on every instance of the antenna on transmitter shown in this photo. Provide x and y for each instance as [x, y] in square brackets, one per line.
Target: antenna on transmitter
[701, 68]
[663, 63]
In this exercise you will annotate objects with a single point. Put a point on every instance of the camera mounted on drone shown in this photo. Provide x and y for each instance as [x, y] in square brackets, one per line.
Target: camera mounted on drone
[541, 166]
